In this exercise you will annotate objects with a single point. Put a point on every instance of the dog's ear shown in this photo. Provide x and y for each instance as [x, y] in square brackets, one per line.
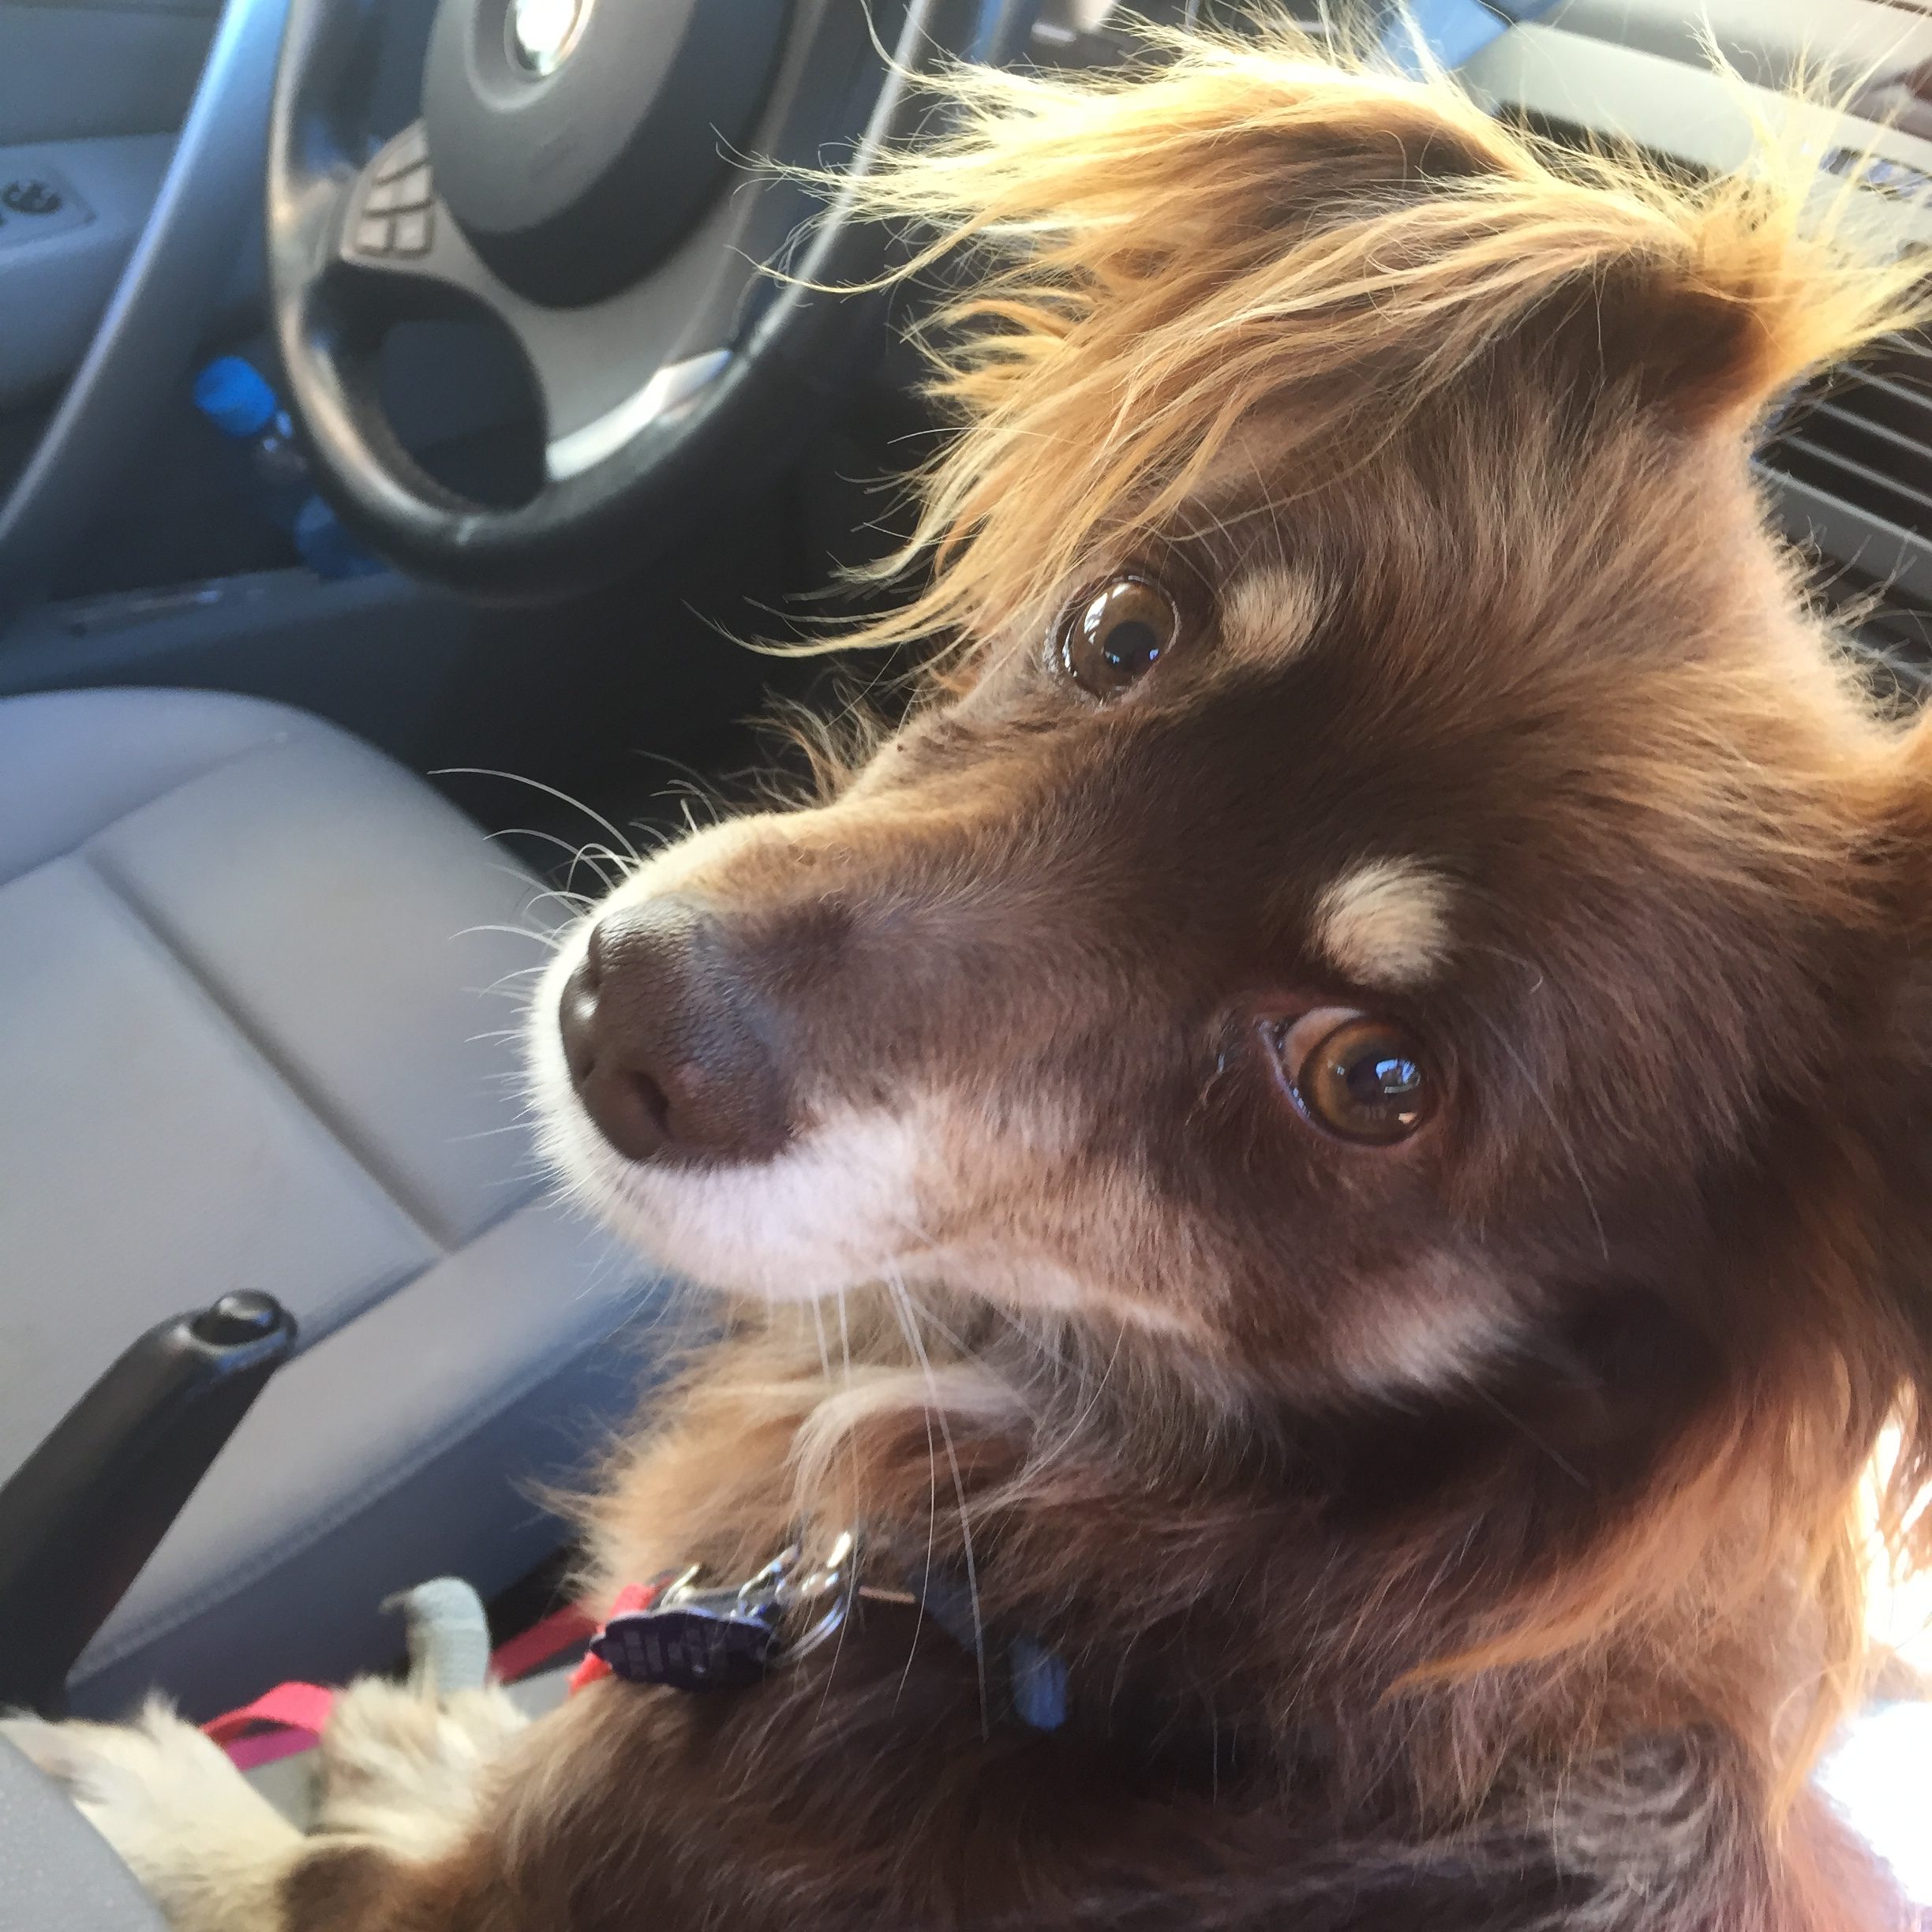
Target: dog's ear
[1153, 260]
[1658, 335]
[1721, 296]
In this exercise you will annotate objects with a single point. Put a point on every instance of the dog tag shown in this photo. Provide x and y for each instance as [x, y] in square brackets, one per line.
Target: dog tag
[726, 1639]
[704, 1640]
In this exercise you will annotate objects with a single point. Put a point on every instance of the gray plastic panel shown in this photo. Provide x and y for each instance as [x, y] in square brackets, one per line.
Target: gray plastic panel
[69, 71]
[55, 279]
[1769, 42]
[1675, 105]
[174, 283]
[60, 1874]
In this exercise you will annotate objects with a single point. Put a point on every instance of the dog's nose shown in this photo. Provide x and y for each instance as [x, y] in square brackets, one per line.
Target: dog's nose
[667, 1047]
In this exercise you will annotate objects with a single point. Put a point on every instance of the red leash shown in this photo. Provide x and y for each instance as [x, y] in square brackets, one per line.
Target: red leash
[290, 1718]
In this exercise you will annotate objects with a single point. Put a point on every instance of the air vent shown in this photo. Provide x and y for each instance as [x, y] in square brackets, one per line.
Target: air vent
[1864, 437]
[1890, 631]
[1850, 467]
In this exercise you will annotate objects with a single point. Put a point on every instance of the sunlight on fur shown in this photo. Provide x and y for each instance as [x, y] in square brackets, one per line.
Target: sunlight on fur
[1898, 1606]
[1130, 298]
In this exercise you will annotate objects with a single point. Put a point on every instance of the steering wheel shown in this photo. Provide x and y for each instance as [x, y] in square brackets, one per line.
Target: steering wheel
[572, 172]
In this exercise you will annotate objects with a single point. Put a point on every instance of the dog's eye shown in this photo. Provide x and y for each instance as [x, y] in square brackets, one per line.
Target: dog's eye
[1117, 633]
[1362, 1080]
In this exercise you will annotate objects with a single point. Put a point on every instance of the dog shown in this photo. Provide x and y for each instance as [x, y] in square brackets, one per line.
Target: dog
[1317, 1166]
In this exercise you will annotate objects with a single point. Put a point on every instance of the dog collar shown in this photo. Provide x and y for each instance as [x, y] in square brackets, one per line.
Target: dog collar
[680, 1632]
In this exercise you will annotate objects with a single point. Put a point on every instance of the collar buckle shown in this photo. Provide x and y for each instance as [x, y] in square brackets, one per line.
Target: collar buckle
[726, 1637]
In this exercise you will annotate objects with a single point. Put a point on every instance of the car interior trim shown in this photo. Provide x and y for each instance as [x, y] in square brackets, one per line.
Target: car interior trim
[670, 389]
[174, 279]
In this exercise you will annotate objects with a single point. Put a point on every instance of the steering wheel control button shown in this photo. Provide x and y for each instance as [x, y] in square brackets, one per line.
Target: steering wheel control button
[413, 232]
[396, 216]
[37, 203]
[577, 142]
[412, 190]
[409, 149]
[541, 34]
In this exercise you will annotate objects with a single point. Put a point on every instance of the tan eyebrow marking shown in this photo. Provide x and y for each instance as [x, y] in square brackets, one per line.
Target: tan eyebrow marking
[1269, 614]
[1386, 922]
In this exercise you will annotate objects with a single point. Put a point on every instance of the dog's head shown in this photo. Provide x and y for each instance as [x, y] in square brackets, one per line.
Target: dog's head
[1394, 883]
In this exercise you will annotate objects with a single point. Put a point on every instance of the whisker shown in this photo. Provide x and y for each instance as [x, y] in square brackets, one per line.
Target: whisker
[1529, 1435]
[577, 853]
[573, 902]
[908, 1323]
[1556, 1127]
[515, 932]
[536, 784]
[932, 1515]
[1039, 1343]
[515, 972]
[1093, 1401]
[825, 1347]
[596, 857]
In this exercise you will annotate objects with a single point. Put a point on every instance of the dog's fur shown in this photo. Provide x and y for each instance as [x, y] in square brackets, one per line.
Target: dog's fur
[1457, 1534]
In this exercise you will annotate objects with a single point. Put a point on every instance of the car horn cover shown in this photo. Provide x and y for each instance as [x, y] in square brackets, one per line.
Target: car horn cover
[576, 141]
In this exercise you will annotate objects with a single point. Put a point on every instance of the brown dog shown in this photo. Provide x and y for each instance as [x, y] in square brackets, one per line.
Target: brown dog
[1373, 1029]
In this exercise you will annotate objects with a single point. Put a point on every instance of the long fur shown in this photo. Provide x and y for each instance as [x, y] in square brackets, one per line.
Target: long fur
[1153, 261]
[1466, 1539]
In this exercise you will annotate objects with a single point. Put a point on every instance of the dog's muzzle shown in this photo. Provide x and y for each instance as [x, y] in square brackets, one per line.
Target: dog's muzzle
[670, 1049]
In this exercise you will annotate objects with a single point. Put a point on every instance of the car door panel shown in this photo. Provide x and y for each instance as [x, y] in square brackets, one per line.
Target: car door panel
[58, 267]
[68, 70]
[90, 98]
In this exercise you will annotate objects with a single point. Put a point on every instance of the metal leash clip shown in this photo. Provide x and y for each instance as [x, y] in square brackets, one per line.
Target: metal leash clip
[726, 1637]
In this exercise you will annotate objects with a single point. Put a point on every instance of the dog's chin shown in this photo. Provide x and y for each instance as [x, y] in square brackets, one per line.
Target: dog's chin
[823, 1215]
[836, 1207]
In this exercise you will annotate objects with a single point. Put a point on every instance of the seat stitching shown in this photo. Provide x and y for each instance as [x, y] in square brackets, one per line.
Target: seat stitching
[121, 892]
[437, 1228]
[533, 1188]
[235, 1581]
[447, 1240]
[279, 742]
